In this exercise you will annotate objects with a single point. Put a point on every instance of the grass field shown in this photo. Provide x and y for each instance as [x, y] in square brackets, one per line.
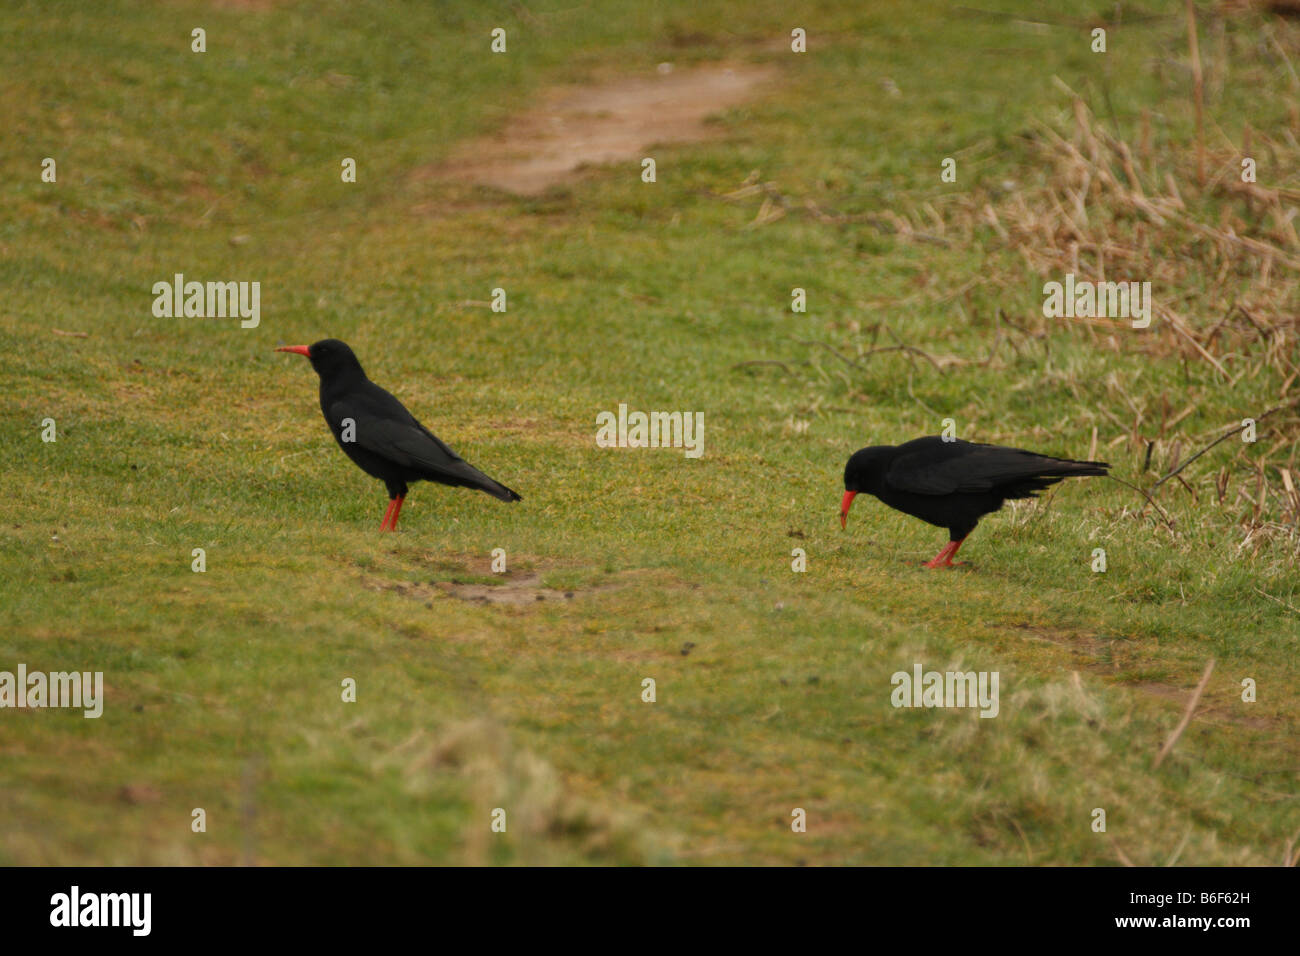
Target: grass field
[223, 688]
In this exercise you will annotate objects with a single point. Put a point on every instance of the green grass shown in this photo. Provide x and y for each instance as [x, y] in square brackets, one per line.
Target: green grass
[175, 434]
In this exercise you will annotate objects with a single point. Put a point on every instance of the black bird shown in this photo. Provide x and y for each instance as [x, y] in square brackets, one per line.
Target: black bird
[953, 483]
[377, 432]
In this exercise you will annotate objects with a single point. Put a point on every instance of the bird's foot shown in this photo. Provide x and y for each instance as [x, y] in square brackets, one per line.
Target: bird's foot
[944, 558]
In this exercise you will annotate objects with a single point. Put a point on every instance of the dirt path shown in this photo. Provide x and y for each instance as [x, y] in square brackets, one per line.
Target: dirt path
[608, 123]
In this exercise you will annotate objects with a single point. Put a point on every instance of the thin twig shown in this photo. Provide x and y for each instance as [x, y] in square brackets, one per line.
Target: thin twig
[1168, 520]
[1289, 858]
[1285, 604]
[1182, 845]
[838, 354]
[887, 348]
[754, 362]
[906, 348]
[1187, 716]
[1119, 852]
[1222, 438]
[917, 400]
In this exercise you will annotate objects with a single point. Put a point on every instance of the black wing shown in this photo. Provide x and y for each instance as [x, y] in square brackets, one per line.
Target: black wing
[386, 428]
[937, 467]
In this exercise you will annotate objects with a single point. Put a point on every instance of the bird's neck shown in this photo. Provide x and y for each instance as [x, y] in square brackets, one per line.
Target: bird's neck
[337, 385]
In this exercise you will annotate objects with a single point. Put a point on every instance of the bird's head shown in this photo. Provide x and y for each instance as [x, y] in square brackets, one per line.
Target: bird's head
[329, 357]
[864, 472]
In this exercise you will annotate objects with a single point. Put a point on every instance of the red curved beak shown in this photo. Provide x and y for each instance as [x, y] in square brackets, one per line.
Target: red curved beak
[300, 349]
[845, 503]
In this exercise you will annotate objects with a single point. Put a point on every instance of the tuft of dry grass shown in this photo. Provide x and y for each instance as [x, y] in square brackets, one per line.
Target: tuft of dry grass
[541, 820]
[1106, 209]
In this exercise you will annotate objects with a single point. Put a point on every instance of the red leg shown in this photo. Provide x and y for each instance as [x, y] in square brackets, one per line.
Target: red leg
[396, 511]
[944, 558]
[383, 526]
[941, 559]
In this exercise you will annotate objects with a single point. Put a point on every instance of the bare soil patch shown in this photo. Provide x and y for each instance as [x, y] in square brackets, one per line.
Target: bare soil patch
[606, 123]
[470, 578]
[518, 589]
[515, 588]
[1085, 645]
[1212, 710]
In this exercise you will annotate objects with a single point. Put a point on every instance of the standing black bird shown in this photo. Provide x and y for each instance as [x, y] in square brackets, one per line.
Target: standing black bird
[954, 483]
[377, 432]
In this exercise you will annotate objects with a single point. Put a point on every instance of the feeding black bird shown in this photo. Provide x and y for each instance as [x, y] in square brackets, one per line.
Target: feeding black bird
[953, 483]
[377, 432]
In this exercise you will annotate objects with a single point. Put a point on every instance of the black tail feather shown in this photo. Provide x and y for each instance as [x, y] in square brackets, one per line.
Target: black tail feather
[1058, 469]
[498, 490]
